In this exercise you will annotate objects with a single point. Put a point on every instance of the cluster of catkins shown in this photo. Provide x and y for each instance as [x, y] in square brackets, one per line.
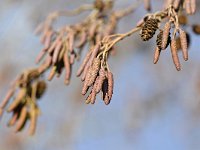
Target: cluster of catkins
[95, 74]
[167, 37]
[25, 91]
[63, 46]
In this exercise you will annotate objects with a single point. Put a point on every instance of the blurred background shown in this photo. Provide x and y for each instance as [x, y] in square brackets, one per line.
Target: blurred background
[154, 107]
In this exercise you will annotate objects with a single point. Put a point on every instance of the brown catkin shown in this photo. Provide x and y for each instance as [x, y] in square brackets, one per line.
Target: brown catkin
[110, 85]
[149, 29]
[33, 122]
[176, 4]
[156, 55]
[184, 44]
[87, 79]
[81, 68]
[159, 39]
[94, 71]
[166, 34]
[106, 99]
[175, 55]
[102, 77]
[17, 100]
[188, 7]
[13, 119]
[22, 119]
[193, 6]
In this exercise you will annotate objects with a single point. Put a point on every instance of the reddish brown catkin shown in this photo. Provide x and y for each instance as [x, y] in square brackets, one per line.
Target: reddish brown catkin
[184, 44]
[17, 100]
[7, 98]
[102, 77]
[166, 33]
[87, 79]
[193, 6]
[95, 69]
[13, 119]
[80, 70]
[176, 4]
[22, 119]
[110, 85]
[188, 6]
[175, 55]
[33, 122]
[67, 68]
[156, 55]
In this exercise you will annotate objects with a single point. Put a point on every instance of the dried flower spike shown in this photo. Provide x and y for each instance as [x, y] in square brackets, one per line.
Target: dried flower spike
[175, 55]
[166, 34]
[184, 44]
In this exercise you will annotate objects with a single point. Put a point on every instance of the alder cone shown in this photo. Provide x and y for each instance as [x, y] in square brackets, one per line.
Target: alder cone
[149, 29]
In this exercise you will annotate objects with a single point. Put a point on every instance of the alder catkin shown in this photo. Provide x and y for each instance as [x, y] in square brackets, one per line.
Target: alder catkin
[175, 55]
[184, 44]
[102, 77]
[166, 34]
[94, 71]
[22, 119]
[188, 7]
[17, 100]
[176, 4]
[193, 6]
[110, 85]
[156, 55]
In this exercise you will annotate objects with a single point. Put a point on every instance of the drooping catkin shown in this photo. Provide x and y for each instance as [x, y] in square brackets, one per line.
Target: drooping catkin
[95, 69]
[156, 55]
[184, 44]
[110, 84]
[87, 79]
[188, 7]
[149, 29]
[13, 119]
[176, 4]
[85, 61]
[17, 100]
[102, 77]
[175, 55]
[33, 122]
[67, 68]
[193, 6]
[166, 34]
[159, 39]
[22, 119]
